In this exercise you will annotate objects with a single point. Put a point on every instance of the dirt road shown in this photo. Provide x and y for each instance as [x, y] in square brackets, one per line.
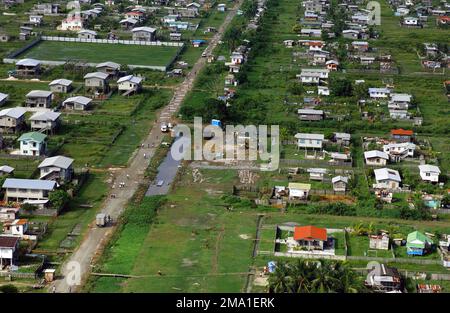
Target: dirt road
[96, 238]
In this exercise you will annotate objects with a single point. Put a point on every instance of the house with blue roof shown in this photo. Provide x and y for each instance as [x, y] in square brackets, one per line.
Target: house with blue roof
[20, 190]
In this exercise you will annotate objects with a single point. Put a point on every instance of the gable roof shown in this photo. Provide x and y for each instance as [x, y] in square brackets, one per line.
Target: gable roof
[88, 31]
[99, 75]
[3, 96]
[110, 64]
[28, 62]
[62, 81]
[301, 186]
[309, 136]
[8, 241]
[375, 154]
[417, 239]
[339, 178]
[6, 169]
[16, 112]
[402, 132]
[401, 97]
[429, 168]
[130, 20]
[58, 161]
[131, 78]
[34, 136]
[29, 184]
[78, 99]
[387, 174]
[310, 233]
[144, 29]
[45, 116]
[39, 93]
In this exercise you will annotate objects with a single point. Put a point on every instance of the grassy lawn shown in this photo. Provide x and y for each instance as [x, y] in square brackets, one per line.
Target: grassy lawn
[193, 236]
[94, 53]
[359, 246]
[92, 194]
[400, 252]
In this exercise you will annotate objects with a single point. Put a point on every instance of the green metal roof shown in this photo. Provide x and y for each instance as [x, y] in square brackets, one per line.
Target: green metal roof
[417, 240]
[34, 136]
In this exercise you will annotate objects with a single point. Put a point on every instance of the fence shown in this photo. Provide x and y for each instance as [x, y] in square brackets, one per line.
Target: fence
[313, 162]
[11, 58]
[23, 49]
[115, 41]
[17, 275]
[397, 260]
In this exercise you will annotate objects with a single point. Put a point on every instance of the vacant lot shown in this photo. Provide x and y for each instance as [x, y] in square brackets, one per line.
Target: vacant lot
[196, 243]
[95, 53]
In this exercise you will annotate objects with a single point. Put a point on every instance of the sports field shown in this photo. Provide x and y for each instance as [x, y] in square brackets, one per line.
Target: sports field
[97, 53]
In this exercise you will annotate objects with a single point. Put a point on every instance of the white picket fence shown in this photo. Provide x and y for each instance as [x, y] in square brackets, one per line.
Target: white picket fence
[115, 41]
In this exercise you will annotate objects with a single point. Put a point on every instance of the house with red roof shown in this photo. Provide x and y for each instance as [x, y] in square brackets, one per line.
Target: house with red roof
[310, 237]
[402, 135]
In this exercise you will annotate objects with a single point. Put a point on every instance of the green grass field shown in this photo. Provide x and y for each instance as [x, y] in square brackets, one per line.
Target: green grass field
[96, 53]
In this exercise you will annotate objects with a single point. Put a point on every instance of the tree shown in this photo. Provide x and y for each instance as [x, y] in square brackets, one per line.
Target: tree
[232, 37]
[303, 276]
[296, 88]
[297, 28]
[341, 87]
[360, 91]
[58, 198]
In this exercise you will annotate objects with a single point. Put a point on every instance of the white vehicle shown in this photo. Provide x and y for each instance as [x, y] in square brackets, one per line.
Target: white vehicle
[164, 127]
[169, 125]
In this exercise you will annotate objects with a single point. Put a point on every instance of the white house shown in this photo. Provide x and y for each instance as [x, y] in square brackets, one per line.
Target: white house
[313, 75]
[17, 227]
[60, 85]
[429, 173]
[310, 140]
[375, 157]
[398, 151]
[6, 170]
[58, 168]
[43, 121]
[87, 34]
[36, 20]
[72, 23]
[129, 84]
[27, 189]
[298, 191]
[379, 93]
[387, 178]
[311, 32]
[33, 144]
[316, 173]
[399, 101]
[9, 247]
[221, 7]
[411, 21]
[80, 103]
[323, 91]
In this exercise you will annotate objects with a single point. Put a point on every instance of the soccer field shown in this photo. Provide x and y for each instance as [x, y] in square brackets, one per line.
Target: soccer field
[97, 53]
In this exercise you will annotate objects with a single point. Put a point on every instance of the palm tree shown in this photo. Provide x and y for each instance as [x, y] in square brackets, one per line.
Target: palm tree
[324, 280]
[280, 281]
[301, 280]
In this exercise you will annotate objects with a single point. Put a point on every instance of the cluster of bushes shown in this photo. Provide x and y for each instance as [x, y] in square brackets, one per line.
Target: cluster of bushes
[143, 213]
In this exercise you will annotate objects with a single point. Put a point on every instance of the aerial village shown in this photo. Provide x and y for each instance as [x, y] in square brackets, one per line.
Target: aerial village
[90, 95]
